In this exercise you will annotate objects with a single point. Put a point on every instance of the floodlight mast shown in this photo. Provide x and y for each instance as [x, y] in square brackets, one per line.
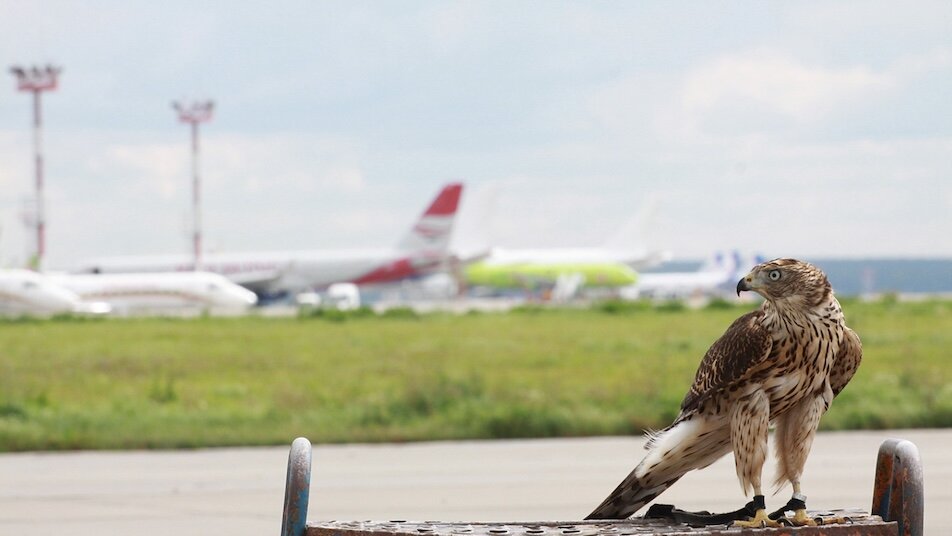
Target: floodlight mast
[194, 113]
[36, 80]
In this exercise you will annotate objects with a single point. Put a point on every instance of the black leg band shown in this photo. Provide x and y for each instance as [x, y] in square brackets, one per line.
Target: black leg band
[758, 503]
[792, 505]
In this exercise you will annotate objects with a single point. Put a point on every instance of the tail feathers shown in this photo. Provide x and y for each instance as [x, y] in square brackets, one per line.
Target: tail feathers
[683, 446]
[629, 497]
[652, 436]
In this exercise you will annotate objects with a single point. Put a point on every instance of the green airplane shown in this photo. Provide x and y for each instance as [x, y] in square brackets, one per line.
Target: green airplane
[533, 275]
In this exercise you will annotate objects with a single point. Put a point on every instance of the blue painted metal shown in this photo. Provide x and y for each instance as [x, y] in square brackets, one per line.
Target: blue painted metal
[898, 488]
[297, 489]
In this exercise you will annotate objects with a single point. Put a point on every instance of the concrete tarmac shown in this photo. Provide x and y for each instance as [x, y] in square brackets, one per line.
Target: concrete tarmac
[240, 491]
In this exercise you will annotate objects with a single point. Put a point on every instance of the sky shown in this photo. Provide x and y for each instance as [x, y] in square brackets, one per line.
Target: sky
[806, 129]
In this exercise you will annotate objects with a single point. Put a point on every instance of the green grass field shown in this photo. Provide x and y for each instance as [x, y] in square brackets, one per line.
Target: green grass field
[615, 369]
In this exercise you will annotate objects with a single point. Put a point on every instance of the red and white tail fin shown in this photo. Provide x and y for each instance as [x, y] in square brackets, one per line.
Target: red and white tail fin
[433, 230]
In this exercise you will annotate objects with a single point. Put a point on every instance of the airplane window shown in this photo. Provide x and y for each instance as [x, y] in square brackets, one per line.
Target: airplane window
[213, 287]
[29, 284]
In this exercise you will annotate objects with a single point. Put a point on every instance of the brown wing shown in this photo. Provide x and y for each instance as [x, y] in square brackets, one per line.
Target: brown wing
[847, 361]
[744, 345]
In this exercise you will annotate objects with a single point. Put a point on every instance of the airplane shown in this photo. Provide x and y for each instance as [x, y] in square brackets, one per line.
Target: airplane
[612, 264]
[25, 291]
[512, 269]
[562, 281]
[582, 256]
[137, 291]
[422, 250]
[716, 276]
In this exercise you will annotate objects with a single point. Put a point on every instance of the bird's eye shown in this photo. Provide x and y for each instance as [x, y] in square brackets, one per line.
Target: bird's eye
[773, 275]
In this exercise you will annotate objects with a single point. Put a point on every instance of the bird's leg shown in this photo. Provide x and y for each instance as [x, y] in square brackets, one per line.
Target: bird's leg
[749, 420]
[760, 519]
[794, 437]
[797, 503]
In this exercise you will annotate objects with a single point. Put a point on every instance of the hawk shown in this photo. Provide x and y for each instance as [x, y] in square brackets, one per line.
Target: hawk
[783, 364]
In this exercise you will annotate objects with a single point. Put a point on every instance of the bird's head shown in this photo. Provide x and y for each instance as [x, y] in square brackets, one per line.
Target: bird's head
[787, 280]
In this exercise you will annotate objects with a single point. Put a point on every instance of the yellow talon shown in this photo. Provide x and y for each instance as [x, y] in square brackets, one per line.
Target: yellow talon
[759, 520]
[801, 519]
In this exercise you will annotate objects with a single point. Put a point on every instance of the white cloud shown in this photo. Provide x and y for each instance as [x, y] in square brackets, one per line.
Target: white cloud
[774, 86]
[917, 65]
[107, 195]
[636, 103]
[17, 157]
[153, 168]
[338, 119]
[298, 163]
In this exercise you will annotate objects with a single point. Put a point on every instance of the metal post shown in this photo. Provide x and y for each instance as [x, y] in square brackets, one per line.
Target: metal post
[898, 488]
[193, 114]
[37, 80]
[37, 261]
[297, 489]
[196, 202]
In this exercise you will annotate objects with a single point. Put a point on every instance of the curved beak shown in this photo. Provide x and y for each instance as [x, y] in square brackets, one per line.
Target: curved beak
[742, 285]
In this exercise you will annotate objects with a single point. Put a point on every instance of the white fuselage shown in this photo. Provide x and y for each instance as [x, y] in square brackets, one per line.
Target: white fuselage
[23, 291]
[421, 250]
[272, 271]
[680, 284]
[157, 290]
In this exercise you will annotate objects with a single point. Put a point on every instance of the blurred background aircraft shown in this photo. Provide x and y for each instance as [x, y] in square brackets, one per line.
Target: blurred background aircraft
[421, 251]
[25, 291]
[716, 277]
[561, 272]
[29, 292]
[151, 292]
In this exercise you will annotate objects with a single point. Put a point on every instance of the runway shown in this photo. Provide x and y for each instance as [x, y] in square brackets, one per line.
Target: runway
[240, 491]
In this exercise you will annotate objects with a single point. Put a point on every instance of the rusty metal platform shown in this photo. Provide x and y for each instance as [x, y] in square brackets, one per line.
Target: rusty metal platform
[897, 510]
[862, 524]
